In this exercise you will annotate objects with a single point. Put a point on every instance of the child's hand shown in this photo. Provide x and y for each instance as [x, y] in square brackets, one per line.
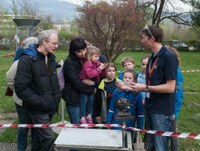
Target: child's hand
[102, 66]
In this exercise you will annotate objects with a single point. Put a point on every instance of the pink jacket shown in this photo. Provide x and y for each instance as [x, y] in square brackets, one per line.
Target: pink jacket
[92, 71]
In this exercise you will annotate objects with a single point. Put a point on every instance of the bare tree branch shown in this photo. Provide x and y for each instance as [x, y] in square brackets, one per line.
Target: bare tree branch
[111, 27]
[159, 9]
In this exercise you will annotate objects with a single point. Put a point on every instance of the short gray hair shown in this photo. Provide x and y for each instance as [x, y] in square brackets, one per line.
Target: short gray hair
[45, 34]
[28, 41]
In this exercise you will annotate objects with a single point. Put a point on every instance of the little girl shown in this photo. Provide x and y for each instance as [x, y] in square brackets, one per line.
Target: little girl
[95, 71]
[135, 99]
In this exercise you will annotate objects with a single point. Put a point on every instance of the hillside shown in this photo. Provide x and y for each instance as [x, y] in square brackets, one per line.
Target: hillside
[59, 10]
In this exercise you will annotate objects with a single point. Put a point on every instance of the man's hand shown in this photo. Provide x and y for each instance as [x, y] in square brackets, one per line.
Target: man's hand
[138, 87]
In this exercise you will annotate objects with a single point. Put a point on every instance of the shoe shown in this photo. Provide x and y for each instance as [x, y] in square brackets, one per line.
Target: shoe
[83, 121]
[89, 120]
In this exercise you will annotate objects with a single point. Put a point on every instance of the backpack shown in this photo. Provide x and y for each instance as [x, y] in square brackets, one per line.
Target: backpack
[61, 79]
[179, 92]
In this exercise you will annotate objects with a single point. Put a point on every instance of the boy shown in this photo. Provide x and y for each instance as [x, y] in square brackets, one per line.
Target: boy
[127, 63]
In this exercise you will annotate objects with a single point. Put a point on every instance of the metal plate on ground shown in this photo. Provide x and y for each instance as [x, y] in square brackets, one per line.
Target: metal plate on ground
[90, 138]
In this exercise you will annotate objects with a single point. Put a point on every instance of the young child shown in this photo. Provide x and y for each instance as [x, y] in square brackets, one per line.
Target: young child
[135, 99]
[95, 71]
[107, 86]
[141, 78]
[127, 63]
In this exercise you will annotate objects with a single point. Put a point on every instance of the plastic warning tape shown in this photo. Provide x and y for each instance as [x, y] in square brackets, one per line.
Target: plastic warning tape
[8, 55]
[193, 70]
[154, 132]
[57, 125]
[169, 134]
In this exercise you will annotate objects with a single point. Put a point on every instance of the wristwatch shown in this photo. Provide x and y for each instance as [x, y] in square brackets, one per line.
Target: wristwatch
[147, 88]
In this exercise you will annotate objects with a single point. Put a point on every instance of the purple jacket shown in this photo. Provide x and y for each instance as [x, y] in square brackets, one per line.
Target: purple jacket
[92, 71]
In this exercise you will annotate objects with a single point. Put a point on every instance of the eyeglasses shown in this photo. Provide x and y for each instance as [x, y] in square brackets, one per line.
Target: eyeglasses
[147, 28]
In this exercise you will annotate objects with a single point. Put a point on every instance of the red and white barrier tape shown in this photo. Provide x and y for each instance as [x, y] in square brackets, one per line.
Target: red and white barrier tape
[8, 55]
[57, 125]
[193, 70]
[160, 133]
[169, 134]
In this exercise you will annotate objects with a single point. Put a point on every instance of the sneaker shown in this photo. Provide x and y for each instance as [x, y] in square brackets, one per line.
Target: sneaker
[83, 121]
[89, 120]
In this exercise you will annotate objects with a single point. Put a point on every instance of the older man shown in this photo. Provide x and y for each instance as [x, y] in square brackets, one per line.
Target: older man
[36, 84]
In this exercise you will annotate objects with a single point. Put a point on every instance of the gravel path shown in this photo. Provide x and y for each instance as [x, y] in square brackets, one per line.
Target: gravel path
[8, 147]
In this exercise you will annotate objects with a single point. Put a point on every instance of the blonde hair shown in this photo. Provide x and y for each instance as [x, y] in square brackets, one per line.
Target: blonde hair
[145, 57]
[127, 59]
[92, 50]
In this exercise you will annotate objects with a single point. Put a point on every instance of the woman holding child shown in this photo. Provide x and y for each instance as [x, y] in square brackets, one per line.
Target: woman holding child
[73, 84]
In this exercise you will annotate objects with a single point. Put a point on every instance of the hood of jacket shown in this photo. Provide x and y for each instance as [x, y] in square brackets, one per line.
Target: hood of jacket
[31, 51]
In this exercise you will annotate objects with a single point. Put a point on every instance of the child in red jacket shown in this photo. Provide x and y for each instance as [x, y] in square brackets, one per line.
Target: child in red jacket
[94, 70]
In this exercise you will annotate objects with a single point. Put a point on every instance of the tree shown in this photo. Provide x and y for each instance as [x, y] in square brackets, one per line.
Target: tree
[46, 23]
[7, 26]
[113, 27]
[25, 9]
[195, 15]
[164, 9]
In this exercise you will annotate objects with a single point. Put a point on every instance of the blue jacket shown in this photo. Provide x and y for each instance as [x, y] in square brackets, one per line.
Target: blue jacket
[136, 108]
[179, 93]
[120, 75]
[18, 53]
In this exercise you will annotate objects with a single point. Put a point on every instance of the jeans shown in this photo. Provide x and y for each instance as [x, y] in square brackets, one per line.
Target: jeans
[86, 104]
[174, 141]
[74, 116]
[74, 113]
[22, 133]
[158, 122]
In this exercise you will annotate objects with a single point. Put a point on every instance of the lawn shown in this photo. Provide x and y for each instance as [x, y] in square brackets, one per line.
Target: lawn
[189, 120]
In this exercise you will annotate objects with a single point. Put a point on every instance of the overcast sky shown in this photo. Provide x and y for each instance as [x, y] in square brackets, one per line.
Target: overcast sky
[79, 2]
[178, 4]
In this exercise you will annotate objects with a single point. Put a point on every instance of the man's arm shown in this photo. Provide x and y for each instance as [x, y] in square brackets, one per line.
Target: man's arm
[168, 87]
[170, 67]
[22, 84]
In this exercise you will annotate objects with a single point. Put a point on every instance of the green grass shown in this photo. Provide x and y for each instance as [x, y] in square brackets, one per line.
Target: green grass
[189, 120]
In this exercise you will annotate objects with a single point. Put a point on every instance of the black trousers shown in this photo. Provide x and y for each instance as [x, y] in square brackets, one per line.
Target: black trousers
[43, 138]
